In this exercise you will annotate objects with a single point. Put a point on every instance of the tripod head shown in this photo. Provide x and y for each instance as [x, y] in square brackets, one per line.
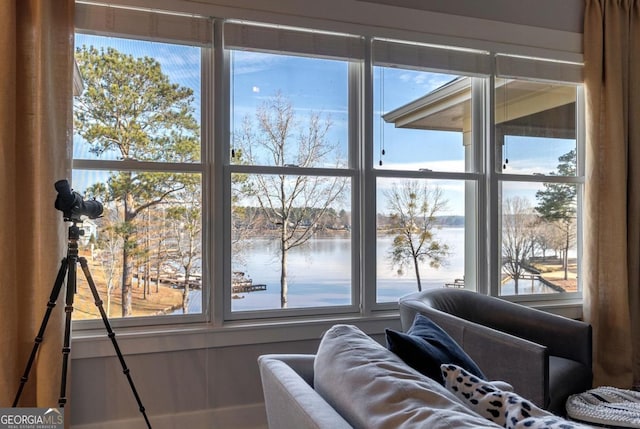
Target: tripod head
[73, 206]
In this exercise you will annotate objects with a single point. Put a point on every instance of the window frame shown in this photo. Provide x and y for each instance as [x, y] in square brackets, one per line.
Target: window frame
[177, 30]
[288, 44]
[216, 171]
[471, 64]
[568, 73]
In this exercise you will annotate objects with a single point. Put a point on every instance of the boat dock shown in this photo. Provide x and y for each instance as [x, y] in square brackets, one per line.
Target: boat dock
[240, 283]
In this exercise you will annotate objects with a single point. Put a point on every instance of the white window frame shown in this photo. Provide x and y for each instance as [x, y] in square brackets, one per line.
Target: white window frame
[481, 259]
[536, 70]
[288, 41]
[191, 31]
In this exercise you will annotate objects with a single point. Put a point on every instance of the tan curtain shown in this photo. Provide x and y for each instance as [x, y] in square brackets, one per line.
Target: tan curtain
[612, 190]
[36, 63]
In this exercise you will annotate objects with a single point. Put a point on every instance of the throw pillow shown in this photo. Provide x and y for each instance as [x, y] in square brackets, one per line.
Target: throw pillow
[504, 408]
[373, 388]
[426, 346]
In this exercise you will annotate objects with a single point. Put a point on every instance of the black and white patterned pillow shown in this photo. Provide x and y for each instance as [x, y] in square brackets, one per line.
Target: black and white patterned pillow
[504, 408]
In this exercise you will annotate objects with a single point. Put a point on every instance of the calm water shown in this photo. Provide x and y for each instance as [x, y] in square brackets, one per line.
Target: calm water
[320, 273]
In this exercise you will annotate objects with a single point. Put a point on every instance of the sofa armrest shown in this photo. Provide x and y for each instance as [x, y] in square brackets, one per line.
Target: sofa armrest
[519, 362]
[566, 338]
[302, 364]
[290, 401]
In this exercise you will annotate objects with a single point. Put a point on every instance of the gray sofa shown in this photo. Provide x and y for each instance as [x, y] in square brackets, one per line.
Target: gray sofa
[354, 382]
[545, 357]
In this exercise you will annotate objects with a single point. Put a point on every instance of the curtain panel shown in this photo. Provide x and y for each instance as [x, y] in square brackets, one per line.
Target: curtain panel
[612, 191]
[36, 51]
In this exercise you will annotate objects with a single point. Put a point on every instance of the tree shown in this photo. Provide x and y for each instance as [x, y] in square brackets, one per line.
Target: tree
[186, 221]
[518, 236]
[557, 205]
[131, 111]
[109, 245]
[291, 204]
[414, 207]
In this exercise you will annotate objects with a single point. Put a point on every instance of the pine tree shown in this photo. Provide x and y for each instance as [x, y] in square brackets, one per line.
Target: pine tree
[557, 205]
[130, 111]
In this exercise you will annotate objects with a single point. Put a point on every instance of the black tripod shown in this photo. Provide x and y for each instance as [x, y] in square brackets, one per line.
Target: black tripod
[68, 267]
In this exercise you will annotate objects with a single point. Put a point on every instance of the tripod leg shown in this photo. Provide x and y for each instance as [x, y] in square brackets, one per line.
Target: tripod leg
[112, 336]
[68, 309]
[55, 291]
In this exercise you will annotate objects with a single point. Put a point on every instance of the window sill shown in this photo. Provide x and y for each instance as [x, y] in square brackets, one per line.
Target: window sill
[95, 343]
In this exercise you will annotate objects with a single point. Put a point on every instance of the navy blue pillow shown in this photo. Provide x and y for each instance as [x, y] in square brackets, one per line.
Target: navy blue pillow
[426, 346]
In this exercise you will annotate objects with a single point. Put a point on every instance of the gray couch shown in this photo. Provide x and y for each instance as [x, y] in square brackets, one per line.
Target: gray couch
[354, 382]
[545, 357]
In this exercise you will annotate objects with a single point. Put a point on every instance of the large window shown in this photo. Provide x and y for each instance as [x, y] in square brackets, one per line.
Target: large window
[290, 174]
[138, 150]
[428, 133]
[420, 217]
[272, 171]
[538, 160]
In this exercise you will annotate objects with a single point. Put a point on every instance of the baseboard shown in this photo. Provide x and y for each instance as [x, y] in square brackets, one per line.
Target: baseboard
[243, 417]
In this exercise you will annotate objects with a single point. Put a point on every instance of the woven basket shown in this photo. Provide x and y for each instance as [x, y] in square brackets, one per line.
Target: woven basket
[606, 406]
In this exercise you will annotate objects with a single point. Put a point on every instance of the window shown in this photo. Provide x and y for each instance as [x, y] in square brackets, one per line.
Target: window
[425, 161]
[138, 149]
[538, 152]
[289, 172]
[281, 171]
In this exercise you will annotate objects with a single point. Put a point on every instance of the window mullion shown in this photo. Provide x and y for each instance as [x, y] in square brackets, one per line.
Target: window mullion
[369, 189]
[221, 179]
[493, 247]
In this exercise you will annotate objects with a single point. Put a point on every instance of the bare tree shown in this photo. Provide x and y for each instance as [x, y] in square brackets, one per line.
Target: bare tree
[291, 204]
[518, 236]
[414, 206]
[186, 223]
[109, 243]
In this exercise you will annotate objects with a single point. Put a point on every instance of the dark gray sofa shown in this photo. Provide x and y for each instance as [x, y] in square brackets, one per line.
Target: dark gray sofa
[544, 356]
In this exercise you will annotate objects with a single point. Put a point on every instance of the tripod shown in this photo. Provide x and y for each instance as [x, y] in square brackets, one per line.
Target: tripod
[68, 267]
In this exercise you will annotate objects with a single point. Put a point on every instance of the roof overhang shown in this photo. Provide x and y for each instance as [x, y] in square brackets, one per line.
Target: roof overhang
[518, 104]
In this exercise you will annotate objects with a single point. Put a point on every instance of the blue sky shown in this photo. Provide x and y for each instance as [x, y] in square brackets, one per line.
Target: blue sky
[319, 85]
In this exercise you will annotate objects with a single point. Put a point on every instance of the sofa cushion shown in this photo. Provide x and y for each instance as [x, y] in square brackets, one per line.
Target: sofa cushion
[372, 387]
[426, 346]
[507, 409]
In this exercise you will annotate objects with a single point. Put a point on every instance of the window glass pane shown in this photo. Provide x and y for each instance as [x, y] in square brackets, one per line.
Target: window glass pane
[289, 110]
[141, 100]
[291, 241]
[539, 238]
[149, 239]
[422, 120]
[420, 236]
[535, 125]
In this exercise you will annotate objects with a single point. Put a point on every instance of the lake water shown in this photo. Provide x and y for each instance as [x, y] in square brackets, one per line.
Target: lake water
[320, 273]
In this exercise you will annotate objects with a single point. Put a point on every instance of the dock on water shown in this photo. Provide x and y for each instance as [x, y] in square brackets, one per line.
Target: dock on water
[240, 283]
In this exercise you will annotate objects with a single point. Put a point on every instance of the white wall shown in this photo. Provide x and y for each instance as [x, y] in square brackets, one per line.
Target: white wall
[213, 388]
[198, 387]
[208, 377]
